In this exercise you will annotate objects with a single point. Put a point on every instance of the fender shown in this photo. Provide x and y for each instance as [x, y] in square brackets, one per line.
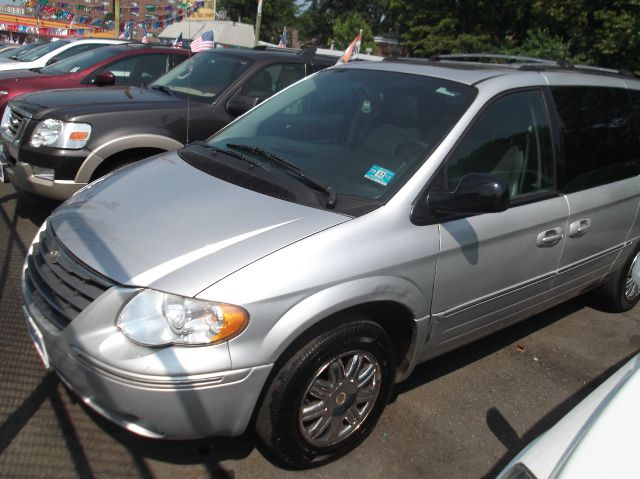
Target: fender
[267, 346]
[123, 143]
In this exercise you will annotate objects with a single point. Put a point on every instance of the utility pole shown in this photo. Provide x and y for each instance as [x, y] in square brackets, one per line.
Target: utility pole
[258, 21]
[116, 17]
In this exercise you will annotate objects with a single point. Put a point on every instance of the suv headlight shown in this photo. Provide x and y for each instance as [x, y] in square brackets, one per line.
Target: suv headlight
[61, 134]
[153, 318]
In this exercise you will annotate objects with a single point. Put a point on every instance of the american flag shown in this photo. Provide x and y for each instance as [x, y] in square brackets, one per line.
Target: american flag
[203, 42]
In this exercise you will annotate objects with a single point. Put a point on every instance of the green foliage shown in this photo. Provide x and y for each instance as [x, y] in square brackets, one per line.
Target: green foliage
[318, 19]
[600, 32]
[345, 30]
[605, 33]
[276, 14]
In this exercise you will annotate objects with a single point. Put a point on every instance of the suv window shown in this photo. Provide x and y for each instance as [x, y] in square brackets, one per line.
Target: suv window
[597, 133]
[204, 76]
[512, 140]
[138, 70]
[272, 79]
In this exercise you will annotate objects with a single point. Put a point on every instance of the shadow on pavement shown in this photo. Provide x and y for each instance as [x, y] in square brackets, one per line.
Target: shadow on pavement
[503, 431]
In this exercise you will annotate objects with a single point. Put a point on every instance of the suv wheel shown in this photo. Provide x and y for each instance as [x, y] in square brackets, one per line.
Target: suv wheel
[327, 398]
[622, 291]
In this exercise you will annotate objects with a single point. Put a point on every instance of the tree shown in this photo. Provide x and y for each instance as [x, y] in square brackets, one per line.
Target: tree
[276, 14]
[345, 30]
[319, 17]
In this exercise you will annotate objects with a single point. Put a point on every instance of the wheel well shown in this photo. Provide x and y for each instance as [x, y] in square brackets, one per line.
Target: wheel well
[123, 158]
[395, 319]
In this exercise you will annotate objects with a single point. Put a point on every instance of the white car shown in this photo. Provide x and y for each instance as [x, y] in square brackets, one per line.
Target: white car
[53, 52]
[597, 439]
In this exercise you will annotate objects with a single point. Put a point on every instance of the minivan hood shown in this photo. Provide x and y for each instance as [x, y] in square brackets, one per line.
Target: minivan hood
[163, 224]
[77, 101]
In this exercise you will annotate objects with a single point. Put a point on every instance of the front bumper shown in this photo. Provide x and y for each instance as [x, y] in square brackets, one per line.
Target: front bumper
[164, 393]
[22, 177]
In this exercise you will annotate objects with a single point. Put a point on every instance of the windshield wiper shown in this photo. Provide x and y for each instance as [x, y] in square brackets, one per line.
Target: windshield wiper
[164, 89]
[327, 189]
[231, 153]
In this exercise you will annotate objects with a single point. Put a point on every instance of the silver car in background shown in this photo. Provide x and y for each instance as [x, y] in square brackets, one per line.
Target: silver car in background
[291, 269]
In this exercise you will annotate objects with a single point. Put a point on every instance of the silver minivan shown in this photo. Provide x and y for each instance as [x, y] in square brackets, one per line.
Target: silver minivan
[289, 270]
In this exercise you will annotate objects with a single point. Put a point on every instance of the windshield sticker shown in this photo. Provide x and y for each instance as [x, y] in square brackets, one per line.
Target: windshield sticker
[75, 69]
[446, 91]
[380, 175]
[366, 107]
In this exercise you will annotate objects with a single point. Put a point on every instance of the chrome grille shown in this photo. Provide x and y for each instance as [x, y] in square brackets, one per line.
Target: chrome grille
[57, 284]
[17, 120]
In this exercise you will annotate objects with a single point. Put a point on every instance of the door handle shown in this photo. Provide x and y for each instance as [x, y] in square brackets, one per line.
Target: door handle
[549, 238]
[579, 228]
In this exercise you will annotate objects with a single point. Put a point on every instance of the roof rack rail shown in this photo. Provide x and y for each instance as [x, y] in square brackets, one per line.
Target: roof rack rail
[497, 56]
[581, 69]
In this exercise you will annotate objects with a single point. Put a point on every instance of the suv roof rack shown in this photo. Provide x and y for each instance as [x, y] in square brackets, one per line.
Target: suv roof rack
[522, 62]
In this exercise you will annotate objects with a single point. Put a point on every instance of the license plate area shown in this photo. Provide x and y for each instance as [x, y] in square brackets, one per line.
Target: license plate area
[38, 342]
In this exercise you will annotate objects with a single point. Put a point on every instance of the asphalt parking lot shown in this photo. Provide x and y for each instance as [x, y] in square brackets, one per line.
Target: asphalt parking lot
[463, 415]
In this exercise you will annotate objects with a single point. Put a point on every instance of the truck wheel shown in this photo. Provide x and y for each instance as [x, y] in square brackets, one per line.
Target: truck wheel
[327, 398]
[621, 292]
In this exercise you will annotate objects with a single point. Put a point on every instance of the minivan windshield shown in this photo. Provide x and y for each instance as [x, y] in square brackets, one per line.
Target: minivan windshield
[364, 132]
[203, 76]
[42, 51]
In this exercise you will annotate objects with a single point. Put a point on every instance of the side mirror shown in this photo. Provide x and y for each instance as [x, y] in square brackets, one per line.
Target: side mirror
[240, 104]
[104, 78]
[476, 193]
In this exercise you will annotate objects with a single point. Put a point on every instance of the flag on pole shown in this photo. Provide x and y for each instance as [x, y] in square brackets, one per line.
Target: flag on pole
[283, 39]
[352, 50]
[203, 42]
[178, 41]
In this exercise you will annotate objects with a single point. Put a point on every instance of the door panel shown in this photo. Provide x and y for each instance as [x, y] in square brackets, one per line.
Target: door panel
[491, 269]
[496, 268]
[602, 165]
[610, 210]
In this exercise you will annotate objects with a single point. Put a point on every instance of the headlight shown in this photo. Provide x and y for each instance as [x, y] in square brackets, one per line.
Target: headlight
[61, 134]
[153, 318]
[4, 123]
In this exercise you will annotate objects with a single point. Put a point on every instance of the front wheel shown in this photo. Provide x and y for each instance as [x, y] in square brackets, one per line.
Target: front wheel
[327, 398]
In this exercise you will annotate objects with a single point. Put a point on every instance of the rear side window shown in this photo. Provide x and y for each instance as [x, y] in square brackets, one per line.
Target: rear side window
[510, 139]
[598, 136]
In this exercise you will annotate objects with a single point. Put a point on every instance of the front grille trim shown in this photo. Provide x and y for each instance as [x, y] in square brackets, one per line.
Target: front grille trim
[58, 284]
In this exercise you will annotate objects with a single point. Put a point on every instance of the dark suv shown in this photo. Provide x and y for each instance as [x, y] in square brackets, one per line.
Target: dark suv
[55, 142]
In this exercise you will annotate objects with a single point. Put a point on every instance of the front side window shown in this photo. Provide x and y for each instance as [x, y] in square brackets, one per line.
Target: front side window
[204, 75]
[363, 132]
[510, 139]
[598, 136]
[82, 61]
[272, 79]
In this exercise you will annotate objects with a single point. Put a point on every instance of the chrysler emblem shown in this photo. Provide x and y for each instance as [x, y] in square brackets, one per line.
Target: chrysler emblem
[54, 255]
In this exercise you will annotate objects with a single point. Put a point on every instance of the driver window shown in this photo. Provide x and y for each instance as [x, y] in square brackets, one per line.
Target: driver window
[510, 139]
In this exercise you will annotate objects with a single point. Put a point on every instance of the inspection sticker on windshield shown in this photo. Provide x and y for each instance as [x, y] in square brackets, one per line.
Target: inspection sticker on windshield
[380, 175]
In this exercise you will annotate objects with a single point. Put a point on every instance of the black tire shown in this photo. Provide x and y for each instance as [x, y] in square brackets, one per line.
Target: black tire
[613, 295]
[279, 421]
